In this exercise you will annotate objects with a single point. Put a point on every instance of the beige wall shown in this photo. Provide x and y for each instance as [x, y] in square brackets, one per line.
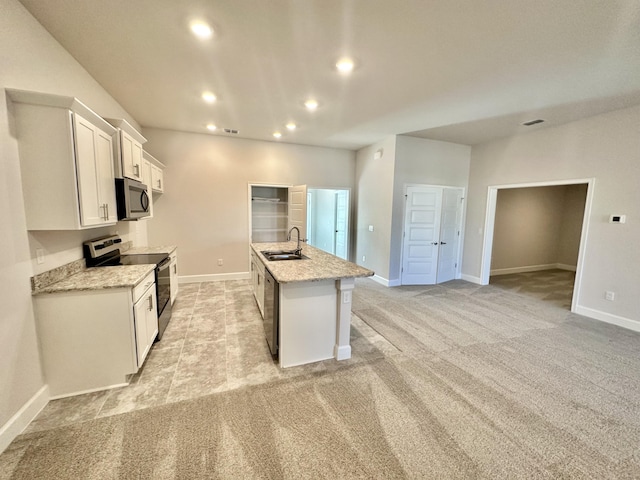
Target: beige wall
[605, 147]
[205, 210]
[574, 200]
[374, 201]
[538, 226]
[31, 60]
[406, 160]
[422, 161]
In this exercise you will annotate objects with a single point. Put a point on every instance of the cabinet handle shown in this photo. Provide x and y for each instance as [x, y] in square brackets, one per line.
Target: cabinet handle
[106, 207]
[159, 183]
[137, 169]
[150, 302]
[258, 279]
[175, 269]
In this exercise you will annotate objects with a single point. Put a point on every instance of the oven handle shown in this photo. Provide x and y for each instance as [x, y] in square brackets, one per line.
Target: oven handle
[164, 264]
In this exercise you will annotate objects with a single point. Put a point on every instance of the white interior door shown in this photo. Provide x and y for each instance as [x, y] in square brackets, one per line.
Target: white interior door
[342, 209]
[450, 225]
[298, 209]
[421, 235]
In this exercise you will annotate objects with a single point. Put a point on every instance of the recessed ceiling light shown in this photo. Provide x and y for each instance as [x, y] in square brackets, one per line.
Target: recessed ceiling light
[211, 127]
[277, 134]
[208, 97]
[291, 126]
[311, 104]
[345, 65]
[201, 30]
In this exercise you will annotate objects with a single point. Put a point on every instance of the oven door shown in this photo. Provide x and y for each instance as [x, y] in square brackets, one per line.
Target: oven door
[163, 292]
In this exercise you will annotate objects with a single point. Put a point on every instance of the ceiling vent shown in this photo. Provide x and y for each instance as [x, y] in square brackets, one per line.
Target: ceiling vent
[532, 122]
[233, 131]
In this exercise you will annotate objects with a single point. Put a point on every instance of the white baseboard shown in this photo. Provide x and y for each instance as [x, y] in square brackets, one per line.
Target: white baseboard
[23, 417]
[609, 318]
[532, 268]
[564, 266]
[471, 278]
[380, 280]
[214, 277]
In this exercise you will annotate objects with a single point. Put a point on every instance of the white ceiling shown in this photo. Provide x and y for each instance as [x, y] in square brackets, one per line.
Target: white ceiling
[464, 71]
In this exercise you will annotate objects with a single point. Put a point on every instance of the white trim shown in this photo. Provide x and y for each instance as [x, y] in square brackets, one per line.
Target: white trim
[214, 277]
[609, 318]
[23, 417]
[489, 223]
[91, 390]
[341, 352]
[532, 268]
[380, 280]
[471, 278]
[564, 266]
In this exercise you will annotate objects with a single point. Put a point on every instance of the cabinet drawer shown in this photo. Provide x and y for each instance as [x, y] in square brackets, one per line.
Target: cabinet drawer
[139, 289]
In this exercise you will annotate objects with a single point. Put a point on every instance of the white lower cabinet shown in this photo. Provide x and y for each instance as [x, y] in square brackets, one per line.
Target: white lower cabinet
[173, 276]
[257, 281]
[94, 340]
[145, 316]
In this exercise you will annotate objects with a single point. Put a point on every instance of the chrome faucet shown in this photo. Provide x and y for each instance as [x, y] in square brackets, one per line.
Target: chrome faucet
[298, 250]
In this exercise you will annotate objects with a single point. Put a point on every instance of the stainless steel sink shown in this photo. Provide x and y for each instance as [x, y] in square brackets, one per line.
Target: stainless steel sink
[274, 255]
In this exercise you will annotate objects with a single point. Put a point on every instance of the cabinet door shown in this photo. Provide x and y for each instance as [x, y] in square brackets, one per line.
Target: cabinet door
[136, 159]
[106, 182]
[173, 278]
[92, 212]
[146, 179]
[157, 179]
[145, 316]
[140, 318]
[126, 144]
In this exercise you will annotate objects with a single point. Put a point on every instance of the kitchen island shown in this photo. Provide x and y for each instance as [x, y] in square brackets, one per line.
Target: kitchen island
[314, 303]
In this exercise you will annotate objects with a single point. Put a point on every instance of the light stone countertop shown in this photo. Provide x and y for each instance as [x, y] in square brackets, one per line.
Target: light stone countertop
[168, 249]
[97, 278]
[319, 266]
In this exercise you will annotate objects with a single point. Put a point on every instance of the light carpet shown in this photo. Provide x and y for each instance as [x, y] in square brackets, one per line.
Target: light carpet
[488, 384]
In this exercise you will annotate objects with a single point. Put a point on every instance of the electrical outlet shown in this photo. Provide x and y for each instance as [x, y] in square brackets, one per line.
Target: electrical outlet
[40, 255]
[346, 296]
[611, 296]
[364, 259]
[220, 262]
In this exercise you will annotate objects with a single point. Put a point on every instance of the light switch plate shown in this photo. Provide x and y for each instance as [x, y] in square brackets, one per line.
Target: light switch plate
[40, 255]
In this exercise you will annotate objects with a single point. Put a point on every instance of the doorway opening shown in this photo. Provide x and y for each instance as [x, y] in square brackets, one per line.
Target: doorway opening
[328, 220]
[537, 227]
[431, 234]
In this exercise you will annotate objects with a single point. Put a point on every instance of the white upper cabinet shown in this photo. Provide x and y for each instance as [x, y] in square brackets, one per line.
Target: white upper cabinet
[128, 158]
[157, 173]
[66, 161]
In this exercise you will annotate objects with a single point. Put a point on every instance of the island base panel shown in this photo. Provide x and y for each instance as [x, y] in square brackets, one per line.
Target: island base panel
[308, 318]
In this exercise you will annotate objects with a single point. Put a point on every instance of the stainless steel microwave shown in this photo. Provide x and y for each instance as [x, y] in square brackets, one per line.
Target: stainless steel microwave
[132, 198]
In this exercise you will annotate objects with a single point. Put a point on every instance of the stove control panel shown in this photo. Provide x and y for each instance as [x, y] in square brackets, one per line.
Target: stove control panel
[101, 246]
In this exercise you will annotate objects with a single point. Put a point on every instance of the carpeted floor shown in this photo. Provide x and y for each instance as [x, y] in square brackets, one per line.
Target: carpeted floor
[485, 383]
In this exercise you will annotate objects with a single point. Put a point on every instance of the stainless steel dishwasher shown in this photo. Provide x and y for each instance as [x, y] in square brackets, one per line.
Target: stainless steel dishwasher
[271, 311]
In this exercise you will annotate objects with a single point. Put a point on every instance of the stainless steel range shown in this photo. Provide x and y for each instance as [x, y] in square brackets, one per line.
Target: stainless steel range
[105, 252]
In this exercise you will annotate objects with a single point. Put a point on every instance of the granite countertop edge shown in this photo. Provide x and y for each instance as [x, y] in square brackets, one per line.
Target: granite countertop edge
[100, 278]
[319, 265]
[168, 249]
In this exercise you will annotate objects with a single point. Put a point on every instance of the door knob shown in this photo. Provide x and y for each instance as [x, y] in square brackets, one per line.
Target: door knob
[434, 243]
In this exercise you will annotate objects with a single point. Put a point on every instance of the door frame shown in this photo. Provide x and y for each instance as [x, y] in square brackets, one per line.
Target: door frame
[350, 213]
[490, 219]
[461, 225]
